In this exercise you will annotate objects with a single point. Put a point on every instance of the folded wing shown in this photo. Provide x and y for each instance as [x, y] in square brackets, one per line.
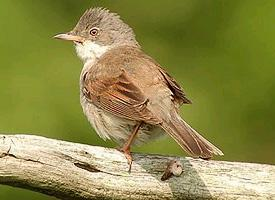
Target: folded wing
[119, 96]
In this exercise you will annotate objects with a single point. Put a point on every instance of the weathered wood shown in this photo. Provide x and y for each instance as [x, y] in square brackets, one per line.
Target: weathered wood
[77, 171]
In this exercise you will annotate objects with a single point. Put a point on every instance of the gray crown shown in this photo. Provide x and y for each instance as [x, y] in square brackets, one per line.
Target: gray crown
[113, 31]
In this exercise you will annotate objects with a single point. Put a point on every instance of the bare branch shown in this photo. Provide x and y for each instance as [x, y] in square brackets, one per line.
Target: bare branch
[77, 171]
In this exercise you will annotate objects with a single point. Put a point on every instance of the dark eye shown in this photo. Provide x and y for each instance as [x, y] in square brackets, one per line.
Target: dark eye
[94, 31]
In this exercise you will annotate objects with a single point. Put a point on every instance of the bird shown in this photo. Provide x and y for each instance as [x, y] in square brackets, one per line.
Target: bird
[125, 94]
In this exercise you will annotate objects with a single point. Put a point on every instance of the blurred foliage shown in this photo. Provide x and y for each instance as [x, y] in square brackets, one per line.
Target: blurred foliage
[222, 52]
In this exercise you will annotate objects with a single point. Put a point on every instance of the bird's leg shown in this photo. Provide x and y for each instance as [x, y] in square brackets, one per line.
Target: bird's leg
[126, 147]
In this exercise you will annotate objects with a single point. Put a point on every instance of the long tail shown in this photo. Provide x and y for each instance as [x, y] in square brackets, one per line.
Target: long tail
[191, 141]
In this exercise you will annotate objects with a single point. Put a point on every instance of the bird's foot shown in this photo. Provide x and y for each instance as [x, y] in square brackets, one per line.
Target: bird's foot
[128, 156]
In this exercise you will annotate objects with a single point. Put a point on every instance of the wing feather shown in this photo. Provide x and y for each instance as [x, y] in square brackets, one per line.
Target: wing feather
[177, 91]
[119, 96]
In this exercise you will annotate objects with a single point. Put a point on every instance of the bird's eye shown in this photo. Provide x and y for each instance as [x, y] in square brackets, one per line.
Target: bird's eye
[94, 31]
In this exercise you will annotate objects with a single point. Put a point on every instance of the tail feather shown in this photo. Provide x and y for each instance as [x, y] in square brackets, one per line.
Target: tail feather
[191, 141]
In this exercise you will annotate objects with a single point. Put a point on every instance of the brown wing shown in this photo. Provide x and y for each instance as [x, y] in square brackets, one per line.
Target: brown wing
[179, 95]
[119, 96]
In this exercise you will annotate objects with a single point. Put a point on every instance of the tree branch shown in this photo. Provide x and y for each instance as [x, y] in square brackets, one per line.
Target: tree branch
[76, 171]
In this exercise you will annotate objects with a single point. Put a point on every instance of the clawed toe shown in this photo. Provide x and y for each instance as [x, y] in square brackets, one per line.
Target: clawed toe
[128, 156]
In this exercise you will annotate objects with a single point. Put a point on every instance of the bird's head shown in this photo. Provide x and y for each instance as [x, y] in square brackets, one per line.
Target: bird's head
[97, 31]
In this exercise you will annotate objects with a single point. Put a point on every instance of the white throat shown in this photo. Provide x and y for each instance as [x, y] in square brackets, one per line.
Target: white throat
[89, 51]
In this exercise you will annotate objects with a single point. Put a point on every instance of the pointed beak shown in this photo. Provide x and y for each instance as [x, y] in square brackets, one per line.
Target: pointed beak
[69, 37]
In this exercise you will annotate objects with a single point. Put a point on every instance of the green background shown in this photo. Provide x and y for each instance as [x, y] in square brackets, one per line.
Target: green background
[221, 52]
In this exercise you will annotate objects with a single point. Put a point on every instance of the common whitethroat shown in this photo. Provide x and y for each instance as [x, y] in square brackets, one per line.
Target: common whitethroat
[125, 94]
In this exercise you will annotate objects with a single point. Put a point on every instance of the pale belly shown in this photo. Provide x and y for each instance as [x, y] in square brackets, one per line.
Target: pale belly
[118, 129]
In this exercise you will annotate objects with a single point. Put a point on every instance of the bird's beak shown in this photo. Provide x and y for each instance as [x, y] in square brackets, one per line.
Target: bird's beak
[69, 37]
